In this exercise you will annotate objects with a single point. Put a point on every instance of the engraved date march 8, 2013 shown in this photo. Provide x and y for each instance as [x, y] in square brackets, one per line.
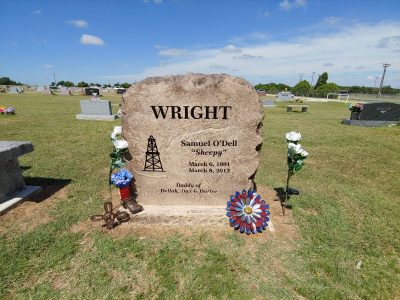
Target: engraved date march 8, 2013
[219, 167]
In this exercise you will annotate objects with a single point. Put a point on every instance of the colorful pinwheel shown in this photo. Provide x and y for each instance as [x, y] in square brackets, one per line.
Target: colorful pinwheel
[248, 212]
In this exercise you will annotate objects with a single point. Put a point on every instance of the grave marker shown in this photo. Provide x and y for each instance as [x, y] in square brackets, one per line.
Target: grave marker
[193, 139]
[375, 114]
[99, 110]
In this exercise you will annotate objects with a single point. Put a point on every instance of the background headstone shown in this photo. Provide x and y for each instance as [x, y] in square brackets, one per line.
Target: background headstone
[65, 92]
[89, 91]
[99, 110]
[193, 139]
[383, 111]
[375, 114]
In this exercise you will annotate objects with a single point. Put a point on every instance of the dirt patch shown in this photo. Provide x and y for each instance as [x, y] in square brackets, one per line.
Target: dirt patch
[33, 211]
[163, 221]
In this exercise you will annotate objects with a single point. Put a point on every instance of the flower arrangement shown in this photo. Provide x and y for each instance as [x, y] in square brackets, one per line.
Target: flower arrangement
[295, 160]
[122, 178]
[7, 111]
[296, 153]
[358, 107]
[10, 110]
[247, 212]
[120, 147]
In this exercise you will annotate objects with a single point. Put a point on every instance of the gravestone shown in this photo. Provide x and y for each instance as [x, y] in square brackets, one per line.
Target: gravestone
[268, 103]
[193, 139]
[99, 110]
[285, 96]
[90, 91]
[48, 92]
[65, 92]
[15, 90]
[375, 115]
[12, 185]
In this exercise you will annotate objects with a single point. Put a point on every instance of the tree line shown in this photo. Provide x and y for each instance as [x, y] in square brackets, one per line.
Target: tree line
[8, 81]
[322, 88]
[67, 83]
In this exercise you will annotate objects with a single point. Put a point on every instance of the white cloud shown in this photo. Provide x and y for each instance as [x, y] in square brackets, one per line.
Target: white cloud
[87, 39]
[329, 64]
[173, 52]
[79, 23]
[154, 1]
[247, 56]
[37, 11]
[48, 66]
[330, 20]
[351, 48]
[287, 5]
[217, 66]
[231, 49]
[266, 13]
[390, 40]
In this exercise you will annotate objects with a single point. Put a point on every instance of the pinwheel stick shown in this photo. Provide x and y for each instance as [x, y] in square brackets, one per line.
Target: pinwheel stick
[283, 203]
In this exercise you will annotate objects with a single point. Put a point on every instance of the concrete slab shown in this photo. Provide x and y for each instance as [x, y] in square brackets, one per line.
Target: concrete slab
[18, 198]
[96, 117]
[12, 149]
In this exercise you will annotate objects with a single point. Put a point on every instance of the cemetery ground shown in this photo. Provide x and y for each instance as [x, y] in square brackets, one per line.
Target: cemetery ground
[341, 239]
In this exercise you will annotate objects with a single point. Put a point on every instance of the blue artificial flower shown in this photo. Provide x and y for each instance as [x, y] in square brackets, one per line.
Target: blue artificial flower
[122, 178]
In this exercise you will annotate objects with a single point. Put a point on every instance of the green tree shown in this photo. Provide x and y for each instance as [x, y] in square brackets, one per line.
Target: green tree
[62, 83]
[322, 79]
[83, 84]
[69, 83]
[126, 85]
[326, 88]
[7, 81]
[302, 88]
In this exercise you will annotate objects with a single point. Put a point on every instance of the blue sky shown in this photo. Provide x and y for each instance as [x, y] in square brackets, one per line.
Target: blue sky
[259, 40]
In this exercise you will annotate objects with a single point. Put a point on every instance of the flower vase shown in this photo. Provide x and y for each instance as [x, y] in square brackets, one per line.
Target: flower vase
[125, 193]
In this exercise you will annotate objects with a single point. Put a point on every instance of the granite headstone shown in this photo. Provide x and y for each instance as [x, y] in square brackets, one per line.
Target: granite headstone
[99, 110]
[375, 114]
[193, 139]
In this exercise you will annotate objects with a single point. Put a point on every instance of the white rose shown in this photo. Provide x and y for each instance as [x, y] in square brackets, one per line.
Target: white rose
[293, 136]
[294, 149]
[120, 144]
[117, 129]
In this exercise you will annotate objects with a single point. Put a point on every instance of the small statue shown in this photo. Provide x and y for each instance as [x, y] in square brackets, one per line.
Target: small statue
[295, 160]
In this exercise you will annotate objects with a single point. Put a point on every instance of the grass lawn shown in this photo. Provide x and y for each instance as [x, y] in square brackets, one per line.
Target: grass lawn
[348, 212]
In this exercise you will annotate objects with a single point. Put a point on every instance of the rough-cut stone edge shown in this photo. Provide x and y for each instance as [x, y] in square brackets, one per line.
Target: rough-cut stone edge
[13, 149]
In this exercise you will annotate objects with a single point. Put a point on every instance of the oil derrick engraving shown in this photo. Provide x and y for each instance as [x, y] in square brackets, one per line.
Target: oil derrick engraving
[153, 162]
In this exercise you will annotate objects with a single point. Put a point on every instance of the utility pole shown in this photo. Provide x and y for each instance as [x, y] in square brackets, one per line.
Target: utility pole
[301, 76]
[312, 79]
[54, 76]
[385, 65]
